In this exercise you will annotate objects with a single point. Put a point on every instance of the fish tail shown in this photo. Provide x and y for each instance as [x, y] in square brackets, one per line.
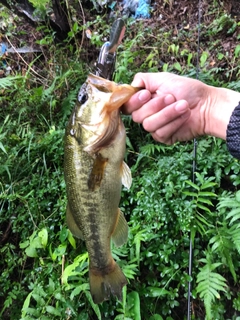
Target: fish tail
[107, 282]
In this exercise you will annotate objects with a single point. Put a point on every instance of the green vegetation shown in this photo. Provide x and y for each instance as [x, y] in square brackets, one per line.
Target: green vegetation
[44, 270]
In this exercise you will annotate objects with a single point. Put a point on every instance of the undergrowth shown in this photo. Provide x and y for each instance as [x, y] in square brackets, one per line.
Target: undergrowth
[44, 270]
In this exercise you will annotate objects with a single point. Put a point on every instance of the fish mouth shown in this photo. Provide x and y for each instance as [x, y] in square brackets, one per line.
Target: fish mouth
[106, 130]
[121, 93]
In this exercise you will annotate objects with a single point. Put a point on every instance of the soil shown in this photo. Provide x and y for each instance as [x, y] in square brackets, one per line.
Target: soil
[167, 16]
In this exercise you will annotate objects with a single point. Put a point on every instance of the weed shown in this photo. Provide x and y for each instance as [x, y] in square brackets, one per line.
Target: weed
[42, 277]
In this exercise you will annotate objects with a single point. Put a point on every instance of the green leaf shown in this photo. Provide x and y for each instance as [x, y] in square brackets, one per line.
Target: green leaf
[8, 81]
[157, 292]
[238, 196]
[235, 237]
[237, 51]
[189, 193]
[43, 235]
[53, 311]
[209, 283]
[2, 148]
[130, 270]
[203, 58]
[203, 200]
[40, 301]
[193, 185]
[207, 185]
[26, 305]
[133, 304]
[70, 270]
[177, 66]
[200, 178]
[200, 206]
[156, 317]
[75, 27]
[71, 239]
[83, 287]
[31, 252]
[234, 214]
[94, 306]
[207, 194]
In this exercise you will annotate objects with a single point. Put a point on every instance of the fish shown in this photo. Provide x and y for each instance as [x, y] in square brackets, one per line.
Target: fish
[94, 172]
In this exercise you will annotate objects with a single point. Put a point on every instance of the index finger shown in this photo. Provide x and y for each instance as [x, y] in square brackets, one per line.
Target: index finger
[136, 101]
[150, 81]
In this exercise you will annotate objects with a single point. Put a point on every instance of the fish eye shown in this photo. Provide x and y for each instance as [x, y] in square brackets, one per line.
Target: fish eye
[82, 97]
[82, 94]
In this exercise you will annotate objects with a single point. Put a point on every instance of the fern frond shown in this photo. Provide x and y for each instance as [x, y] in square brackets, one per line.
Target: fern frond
[202, 200]
[230, 202]
[207, 201]
[151, 149]
[209, 284]
[234, 214]
[222, 243]
[207, 304]
[235, 236]
[8, 81]
[208, 184]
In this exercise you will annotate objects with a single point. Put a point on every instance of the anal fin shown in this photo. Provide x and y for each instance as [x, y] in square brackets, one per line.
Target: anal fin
[120, 233]
[126, 175]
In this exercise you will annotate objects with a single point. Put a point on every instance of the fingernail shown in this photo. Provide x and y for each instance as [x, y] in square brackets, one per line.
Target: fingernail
[181, 107]
[144, 95]
[169, 99]
[137, 83]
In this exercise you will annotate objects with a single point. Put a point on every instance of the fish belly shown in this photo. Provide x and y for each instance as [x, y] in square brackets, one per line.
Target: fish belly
[96, 213]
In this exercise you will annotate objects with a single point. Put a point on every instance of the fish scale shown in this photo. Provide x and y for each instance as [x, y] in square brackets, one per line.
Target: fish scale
[94, 172]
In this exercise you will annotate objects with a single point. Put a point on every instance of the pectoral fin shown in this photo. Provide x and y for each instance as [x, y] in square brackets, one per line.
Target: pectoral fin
[73, 227]
[97, 172]
[126, 175]
[120, 233]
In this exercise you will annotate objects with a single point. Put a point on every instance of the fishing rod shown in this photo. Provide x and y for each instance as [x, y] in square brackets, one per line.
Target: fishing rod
[194, 169]
[107, 56]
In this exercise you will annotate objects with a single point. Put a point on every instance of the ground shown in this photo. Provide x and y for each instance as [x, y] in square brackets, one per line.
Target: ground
[179, 19]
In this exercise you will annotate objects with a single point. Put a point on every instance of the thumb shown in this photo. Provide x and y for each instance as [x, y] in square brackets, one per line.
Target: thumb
[138, 81]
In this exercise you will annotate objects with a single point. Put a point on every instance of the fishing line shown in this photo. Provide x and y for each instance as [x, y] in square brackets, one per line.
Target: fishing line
[194, 168]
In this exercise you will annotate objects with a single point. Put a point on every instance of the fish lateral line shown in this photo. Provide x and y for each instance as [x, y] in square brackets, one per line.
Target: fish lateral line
[94, 170]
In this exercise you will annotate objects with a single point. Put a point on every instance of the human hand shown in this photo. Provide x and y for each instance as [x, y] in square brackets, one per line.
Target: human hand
[171, 107]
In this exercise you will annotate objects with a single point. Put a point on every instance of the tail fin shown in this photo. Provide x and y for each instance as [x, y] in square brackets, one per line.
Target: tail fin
[104, 283]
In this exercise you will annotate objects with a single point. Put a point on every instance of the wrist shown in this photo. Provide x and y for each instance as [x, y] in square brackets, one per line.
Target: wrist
[220, 104]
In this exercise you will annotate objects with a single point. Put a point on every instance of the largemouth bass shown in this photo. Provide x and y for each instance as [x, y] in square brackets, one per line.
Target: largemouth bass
[94, 172]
